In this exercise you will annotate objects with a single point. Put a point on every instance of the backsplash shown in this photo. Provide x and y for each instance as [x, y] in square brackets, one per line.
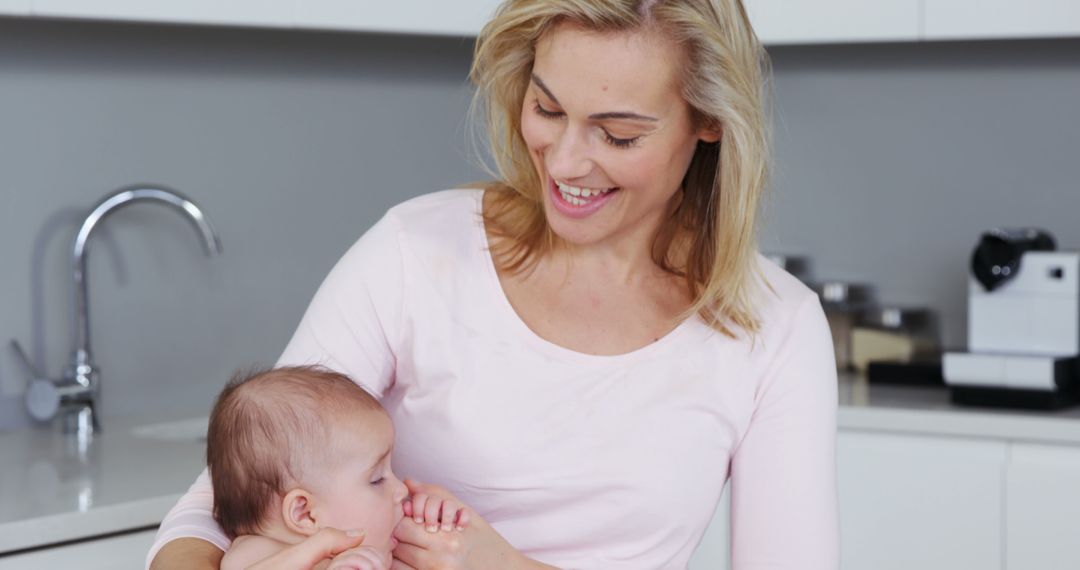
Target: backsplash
[891, 160]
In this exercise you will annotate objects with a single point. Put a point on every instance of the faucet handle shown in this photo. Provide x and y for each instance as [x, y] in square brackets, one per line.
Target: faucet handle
[42, 395]
[42, 399]
[26, 362]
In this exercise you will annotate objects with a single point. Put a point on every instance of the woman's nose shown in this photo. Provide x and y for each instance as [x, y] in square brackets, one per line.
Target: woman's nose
[568, 155]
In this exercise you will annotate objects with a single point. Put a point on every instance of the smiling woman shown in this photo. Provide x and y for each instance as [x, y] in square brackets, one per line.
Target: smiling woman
[586, 350]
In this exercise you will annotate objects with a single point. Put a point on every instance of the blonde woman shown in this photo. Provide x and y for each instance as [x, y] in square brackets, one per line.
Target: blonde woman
[585, 351]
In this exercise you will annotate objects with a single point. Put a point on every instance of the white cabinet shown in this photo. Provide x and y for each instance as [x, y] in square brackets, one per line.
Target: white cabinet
[437, 17]
[714, 552]
[962, 19]
[817, 21]
[234, 12]
[14, 7]
[1043, 508]
[121, 551]
[920, 502]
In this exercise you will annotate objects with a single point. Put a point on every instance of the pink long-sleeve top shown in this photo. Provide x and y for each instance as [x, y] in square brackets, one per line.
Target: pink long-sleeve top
[580, 461]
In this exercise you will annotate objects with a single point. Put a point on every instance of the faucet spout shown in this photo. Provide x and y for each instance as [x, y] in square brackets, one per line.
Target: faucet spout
[82, 371]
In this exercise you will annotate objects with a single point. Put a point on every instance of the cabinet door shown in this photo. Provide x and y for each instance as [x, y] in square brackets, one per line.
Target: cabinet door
[15, 7]
[233, 12]
[960, 19]
[402, 16]
[826, 21]
[714, 552]
[920, 502]
[123, 551]
[1043, 507]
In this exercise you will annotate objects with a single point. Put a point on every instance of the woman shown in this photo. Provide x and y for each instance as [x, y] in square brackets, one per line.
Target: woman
[587, 350]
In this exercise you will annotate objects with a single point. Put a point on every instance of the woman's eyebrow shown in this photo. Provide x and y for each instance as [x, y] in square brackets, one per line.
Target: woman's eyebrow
[595, 116]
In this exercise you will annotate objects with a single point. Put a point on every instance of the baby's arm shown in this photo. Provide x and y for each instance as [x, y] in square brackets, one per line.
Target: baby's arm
[247, 550]
[435, 508]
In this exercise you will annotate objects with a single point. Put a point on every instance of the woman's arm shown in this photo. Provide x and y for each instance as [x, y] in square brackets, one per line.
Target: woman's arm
[783, 473]
[187, 554]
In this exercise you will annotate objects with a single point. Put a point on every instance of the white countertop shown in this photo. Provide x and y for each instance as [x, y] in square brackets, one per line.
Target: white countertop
[927, 411]
[54, 490]
[51, 491]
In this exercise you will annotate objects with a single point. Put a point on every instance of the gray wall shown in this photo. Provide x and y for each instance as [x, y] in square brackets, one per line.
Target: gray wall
[294, 143]
[891, 160]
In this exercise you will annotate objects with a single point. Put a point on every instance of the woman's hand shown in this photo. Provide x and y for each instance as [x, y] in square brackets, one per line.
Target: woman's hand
[327, 543]
[477, 547]
[360, 558]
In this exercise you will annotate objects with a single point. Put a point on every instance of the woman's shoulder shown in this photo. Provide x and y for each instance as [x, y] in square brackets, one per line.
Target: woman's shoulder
[783, 301]
[436, 212]
[440, 225]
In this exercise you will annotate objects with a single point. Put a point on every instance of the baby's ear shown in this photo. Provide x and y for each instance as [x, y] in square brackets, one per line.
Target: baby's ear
[296, 511]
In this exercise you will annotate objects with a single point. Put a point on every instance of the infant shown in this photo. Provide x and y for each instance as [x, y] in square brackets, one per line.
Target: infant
[298, 449]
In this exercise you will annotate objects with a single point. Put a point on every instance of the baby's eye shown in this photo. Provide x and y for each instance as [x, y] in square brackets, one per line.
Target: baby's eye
[378, 481]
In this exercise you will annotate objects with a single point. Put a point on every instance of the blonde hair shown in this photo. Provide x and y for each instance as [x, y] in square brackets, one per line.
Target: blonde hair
[710, 239]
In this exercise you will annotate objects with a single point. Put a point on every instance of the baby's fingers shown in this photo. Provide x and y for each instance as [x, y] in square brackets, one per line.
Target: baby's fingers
[431, 514]
[462, 518]
[419, 504]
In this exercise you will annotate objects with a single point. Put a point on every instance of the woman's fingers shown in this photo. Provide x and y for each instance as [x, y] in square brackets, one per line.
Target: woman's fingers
[360, 558]
[324, 544]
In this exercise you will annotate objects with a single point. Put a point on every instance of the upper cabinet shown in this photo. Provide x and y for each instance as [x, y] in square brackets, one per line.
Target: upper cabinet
[987, 19]
[828, 21]
[14, 7]
[265, 13]
[776, 21]
[435, 17]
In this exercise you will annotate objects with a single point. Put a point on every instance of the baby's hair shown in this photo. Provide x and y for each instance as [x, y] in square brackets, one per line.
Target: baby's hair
[264, 429]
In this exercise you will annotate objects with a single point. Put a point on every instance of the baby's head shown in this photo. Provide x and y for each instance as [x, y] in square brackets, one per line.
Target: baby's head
[293, 450]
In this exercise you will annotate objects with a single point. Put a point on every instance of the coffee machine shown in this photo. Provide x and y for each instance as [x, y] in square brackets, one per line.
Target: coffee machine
[1023, 324]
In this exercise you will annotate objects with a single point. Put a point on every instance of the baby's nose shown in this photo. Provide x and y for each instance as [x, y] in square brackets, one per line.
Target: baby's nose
[401, 491]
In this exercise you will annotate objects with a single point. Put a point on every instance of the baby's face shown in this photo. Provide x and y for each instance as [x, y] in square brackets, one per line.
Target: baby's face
[361, 492]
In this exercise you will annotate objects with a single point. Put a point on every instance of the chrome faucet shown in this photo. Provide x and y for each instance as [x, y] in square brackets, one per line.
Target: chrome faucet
[76, 392]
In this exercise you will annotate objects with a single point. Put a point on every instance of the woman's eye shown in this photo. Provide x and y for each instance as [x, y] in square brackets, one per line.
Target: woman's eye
[545, 113]
[620, 143]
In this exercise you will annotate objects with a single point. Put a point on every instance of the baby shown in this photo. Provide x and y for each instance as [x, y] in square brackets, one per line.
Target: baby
[294, 450]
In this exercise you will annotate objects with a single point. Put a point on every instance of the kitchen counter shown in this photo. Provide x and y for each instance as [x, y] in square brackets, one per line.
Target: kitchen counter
[927, 410]
[52, 490]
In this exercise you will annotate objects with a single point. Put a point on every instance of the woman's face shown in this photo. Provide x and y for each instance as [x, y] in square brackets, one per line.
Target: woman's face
[608, 132]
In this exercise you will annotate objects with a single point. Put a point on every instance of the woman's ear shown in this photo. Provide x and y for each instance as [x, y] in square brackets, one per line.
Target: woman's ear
[710, 134]
[296, 512]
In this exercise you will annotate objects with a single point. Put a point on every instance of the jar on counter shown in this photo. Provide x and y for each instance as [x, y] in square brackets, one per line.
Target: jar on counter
[894, 334]
[843, 303]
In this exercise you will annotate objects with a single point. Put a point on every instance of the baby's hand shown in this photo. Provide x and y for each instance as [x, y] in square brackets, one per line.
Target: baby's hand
[437, 509]
[359, 558]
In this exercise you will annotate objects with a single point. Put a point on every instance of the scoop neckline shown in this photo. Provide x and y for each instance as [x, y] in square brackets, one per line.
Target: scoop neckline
[521, 329]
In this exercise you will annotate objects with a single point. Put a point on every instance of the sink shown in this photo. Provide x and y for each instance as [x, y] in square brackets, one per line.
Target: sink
[193, 429]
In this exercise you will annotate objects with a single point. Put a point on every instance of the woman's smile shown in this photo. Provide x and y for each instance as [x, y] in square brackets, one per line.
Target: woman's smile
[579, 202]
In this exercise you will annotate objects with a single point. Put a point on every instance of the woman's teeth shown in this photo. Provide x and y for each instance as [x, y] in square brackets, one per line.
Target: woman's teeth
[579, 196]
